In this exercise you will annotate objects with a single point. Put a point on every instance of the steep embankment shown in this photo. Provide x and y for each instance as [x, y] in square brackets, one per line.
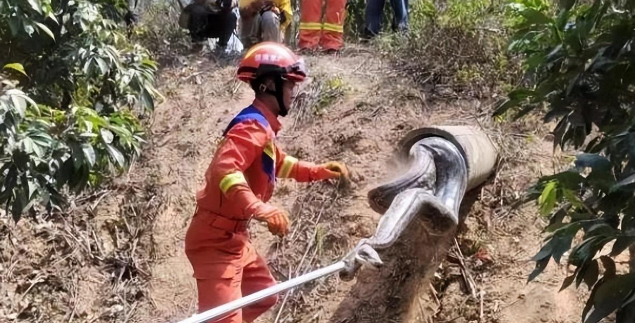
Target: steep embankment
[119, 255]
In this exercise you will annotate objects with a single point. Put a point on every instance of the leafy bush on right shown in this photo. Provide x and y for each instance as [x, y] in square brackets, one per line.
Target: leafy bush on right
[579, 63]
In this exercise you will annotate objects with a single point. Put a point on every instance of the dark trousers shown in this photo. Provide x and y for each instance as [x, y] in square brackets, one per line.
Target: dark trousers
[374, 14]
[204, 24]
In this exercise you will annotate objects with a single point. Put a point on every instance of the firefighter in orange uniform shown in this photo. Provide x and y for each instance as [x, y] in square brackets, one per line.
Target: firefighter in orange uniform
[239, 182]
[327, 33]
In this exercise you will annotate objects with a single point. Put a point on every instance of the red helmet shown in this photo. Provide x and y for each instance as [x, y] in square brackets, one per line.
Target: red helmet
[270, 58]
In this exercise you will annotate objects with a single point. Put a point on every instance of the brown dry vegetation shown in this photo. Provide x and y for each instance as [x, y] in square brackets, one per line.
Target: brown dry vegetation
[116, 255]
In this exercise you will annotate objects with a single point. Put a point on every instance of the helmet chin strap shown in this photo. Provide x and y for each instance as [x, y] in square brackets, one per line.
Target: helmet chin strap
[279, 95]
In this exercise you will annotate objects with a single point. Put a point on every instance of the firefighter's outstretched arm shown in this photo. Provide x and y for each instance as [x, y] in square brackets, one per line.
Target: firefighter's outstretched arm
[302, 171]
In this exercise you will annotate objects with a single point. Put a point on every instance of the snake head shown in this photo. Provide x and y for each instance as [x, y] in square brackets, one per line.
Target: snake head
[363, 254]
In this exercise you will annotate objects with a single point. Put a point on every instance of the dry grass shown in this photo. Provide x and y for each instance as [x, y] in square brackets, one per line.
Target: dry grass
[316, 97]
[81, 264]
[452, 63]
[312, 243]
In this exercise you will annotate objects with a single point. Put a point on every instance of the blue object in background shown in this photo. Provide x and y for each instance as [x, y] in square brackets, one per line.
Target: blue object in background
[374, 13]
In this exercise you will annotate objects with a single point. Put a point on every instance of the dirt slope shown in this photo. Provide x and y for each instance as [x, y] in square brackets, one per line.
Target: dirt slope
[361, 128]
[364, 109]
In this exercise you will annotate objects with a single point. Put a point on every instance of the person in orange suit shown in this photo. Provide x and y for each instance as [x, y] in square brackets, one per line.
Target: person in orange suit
[327, 33]
[239, 182]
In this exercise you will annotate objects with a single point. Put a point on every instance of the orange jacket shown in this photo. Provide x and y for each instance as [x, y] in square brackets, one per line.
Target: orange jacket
[241, 174]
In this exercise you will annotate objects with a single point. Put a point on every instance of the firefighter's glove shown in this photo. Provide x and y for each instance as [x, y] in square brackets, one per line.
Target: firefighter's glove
[276, 219]
[332, 170]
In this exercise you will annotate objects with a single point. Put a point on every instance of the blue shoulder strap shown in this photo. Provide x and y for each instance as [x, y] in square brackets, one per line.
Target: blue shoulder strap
[249, 113]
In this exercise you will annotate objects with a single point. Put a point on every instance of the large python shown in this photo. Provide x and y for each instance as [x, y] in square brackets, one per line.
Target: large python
[429, 192]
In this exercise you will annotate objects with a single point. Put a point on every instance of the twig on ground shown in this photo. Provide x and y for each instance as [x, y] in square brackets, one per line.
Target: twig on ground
[191, 76]
[481, 293]
[467, 277]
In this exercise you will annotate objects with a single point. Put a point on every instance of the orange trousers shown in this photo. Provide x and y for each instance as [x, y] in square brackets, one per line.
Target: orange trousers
[329, 34]
[226, 267]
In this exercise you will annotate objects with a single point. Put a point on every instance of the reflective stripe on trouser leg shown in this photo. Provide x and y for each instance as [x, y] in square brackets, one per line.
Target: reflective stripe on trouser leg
[333, 37]
[310, 24]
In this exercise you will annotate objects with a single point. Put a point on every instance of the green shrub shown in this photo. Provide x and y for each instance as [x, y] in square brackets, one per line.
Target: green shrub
[455, 43]
[71, 91]
[580, 68]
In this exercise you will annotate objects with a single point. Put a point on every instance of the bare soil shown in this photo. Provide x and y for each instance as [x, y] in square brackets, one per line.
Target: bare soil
[117, 255]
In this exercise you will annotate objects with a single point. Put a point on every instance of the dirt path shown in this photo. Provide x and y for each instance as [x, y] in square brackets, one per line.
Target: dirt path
[361, 108]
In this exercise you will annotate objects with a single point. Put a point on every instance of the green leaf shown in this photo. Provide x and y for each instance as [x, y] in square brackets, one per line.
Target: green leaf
[572, 198]
[19, 202]
[503, 105]
[562, 240]
[147, 100]
[535, 17]
[621, 244]
[626, 314]
[116, 155]
[51, 16]
[569, 179]
[555, 222]
[547, 199]
[566, 4]
[628, 181]
[77, 155]
[16, 67]
[103, 66]
[14, 25]
[45, 29]
[591, 274]
[27, 145]
[19, 103]
[558, 243]
[36, 5]
[19, 94]
[32, 186]
[106, 135]
[567, 282]
[89, 153]
[594, 161]
[609, 266]
[540, 267]
[87, 66]
[520, 94]
[607, 296]
[586, 250]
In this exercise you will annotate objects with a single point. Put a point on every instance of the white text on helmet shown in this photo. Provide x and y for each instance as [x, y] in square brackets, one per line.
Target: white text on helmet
[267, 58]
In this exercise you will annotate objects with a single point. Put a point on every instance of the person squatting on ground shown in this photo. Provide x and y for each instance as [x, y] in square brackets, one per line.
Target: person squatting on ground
[264, 20]
[239, 182]
[211, 19]
[315, 31]
[374, 14]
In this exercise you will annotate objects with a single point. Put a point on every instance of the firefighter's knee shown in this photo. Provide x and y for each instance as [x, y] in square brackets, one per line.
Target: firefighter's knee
[270, 26]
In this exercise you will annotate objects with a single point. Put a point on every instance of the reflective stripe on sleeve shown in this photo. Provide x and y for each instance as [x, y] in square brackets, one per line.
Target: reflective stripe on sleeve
[230, 180]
